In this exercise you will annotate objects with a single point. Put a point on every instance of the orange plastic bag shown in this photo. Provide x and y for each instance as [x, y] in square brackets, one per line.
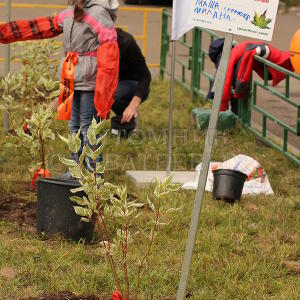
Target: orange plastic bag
[40, 173]
[67, 86]
[107, 78]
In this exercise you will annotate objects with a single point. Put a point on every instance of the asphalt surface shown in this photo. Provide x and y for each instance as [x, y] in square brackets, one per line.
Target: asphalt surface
[286, 25]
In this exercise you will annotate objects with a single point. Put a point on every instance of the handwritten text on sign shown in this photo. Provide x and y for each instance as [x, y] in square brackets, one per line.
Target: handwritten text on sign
[251, 18]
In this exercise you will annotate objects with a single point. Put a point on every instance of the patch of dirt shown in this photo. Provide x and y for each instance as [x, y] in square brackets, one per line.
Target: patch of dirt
[14, 209]
[252, 207]
[293, 266]
[8, 273]
[20, 186]
[72, 296]
[68, 296]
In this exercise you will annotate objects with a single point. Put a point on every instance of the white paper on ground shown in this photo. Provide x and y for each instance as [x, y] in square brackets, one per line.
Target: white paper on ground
[242, 163]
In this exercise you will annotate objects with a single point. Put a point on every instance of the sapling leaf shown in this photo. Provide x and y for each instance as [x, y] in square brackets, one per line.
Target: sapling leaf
[39, 93]
[82, 155]
[72, 145]
[119, 233]
[134, 204]
[75, 172]
[122, 193]
[96, 154]
[172, 210]
[99, 182]
[93, 124]
[89, 151]
[89, 166]
[86, 220]
[79, 200]
[67, 162]
[115, 202]
[137, 215]
[65, 140]
[163, 223]
[107, 210]
[82, 211]
[157, 191]
[150, 204]
[100, 167]
[92, 136]
[167, 181]
[77, 141]
[174, 187]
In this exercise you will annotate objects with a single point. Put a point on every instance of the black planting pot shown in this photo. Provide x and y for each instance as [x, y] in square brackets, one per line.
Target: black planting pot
[228, 184]
[55, 211]
[122, 130]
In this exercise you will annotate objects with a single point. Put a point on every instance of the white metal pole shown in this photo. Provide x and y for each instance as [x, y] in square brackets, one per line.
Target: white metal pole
[170, 139]
[210, 136]
[7, 61]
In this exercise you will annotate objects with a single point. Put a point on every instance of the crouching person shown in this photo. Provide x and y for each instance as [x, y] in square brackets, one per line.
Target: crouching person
[134, 79]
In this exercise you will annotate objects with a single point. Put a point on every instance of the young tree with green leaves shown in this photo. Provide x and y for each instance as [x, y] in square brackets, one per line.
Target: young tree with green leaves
[108, 204]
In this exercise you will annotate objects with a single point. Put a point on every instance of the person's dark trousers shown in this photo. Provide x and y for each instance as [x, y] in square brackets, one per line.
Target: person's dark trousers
[234, 105]
[125, 92]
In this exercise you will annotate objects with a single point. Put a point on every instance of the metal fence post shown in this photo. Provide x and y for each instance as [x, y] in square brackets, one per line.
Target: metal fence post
[244, 107]
[164, 36]
[248, 104]
[7, 62]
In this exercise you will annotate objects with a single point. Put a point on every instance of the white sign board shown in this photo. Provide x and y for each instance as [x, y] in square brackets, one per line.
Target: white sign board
[251, 18]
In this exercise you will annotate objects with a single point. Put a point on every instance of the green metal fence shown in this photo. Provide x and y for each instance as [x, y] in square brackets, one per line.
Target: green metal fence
[193, 72]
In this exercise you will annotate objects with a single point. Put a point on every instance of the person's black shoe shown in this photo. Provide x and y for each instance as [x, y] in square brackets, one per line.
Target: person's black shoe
[122, 130]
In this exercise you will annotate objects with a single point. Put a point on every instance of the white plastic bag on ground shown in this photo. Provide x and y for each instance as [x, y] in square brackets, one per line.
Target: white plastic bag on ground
[257, 181]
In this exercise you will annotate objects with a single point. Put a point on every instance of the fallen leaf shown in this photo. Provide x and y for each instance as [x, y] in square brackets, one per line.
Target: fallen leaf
[8, 273]
[252, 207]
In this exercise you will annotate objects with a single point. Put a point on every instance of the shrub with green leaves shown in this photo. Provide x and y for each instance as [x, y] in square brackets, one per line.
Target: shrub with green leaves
[107, 204]
[23, 92]
[10, 85]
[39, 71]
[34, 84]
[36, 140]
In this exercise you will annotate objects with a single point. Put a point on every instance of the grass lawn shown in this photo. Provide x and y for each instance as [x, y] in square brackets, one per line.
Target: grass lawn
[249, 250]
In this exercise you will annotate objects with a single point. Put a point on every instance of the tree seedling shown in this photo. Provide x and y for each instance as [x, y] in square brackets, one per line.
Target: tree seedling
[108, 205]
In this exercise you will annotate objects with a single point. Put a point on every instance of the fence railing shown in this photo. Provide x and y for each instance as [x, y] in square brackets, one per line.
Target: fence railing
[143, 37]
[193, 62]
[267, 116]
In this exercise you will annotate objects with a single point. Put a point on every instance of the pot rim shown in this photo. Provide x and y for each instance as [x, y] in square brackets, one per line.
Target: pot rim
[60, 181]
[229, 172]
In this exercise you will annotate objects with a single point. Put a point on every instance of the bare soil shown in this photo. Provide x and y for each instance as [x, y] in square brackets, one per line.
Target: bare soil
[68, 296]
[72, 296]
[16, 210]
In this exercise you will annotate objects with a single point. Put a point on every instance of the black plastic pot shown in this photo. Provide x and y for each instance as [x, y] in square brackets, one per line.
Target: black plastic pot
[122, 130]
[55, 212]
[228, 184]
